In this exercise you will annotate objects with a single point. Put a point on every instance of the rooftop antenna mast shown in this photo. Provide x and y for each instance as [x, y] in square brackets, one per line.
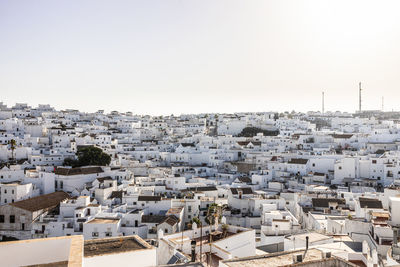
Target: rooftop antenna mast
[323, 103]
[359, 103]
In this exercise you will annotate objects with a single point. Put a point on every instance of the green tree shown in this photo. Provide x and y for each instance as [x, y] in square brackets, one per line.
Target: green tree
[197, 221]
[13, 145]
[253, 131]
[89, 155]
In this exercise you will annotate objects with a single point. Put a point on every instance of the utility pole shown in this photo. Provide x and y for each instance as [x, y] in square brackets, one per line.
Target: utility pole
[323, 103]
[359, 103]
[201, 240]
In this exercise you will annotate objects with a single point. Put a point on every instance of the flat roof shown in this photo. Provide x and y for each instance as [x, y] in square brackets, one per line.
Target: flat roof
[104, 220]
[274, 259]
[98, 247]
[312, 237]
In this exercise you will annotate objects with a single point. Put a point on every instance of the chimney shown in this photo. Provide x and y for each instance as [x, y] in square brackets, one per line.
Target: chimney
[305, 251]
[193, 244]
[306, 243]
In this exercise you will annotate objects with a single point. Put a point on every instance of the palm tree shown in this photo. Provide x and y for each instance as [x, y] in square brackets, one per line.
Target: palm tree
[13, 145]
[212, 212]
[225, 228]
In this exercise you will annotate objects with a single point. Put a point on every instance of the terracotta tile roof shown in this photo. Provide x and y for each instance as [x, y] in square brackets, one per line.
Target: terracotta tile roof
[245, 143]
[324, 202]
[78, 171]
[41, 202]
[245, 190]
[117, 194]
[201, 188]
[149, 198]
[244, 179]
[158, 219]
[298, 161]
[370, 203]
[342, 136]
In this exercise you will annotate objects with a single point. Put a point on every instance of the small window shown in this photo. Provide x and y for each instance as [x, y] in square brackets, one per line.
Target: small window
[95, 234]
[1, 218]
[12, 218]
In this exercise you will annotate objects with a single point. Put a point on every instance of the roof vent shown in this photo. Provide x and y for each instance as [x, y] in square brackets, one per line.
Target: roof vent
[297, 258]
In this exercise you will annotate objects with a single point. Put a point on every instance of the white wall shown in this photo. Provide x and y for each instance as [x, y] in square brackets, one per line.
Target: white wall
[137, 258]
[38, 252]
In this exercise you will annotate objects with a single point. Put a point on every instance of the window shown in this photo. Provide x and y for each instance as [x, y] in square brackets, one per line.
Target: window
[95, 234]
[12, 218]
[108, 233]
[12, 191]
[5, 191]
[1, 218]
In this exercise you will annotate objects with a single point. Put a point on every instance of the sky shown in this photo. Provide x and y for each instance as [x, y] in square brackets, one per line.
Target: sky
[198, 56]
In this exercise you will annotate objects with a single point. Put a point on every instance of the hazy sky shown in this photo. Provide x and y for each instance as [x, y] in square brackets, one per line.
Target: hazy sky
[163, 57]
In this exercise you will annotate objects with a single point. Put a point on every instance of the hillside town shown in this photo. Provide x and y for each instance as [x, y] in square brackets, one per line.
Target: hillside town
[243, 189]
